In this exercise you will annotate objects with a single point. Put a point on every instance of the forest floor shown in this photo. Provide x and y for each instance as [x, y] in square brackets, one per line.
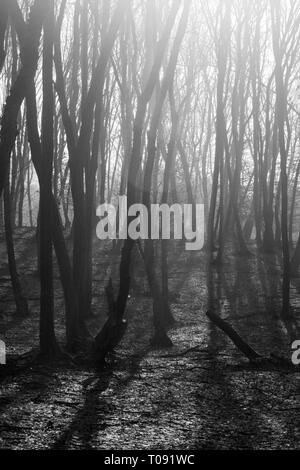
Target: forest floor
[179, 398]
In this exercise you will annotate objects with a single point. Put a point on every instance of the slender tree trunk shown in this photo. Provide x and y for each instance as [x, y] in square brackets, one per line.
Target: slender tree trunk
[3, 26]
[20, 299]
[281, 113]
[65, 268]
[219, 151]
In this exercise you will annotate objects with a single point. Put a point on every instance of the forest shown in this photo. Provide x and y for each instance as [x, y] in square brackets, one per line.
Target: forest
[154, 340]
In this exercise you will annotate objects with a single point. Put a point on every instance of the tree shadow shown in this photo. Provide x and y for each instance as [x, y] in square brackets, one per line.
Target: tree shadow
[90, 419]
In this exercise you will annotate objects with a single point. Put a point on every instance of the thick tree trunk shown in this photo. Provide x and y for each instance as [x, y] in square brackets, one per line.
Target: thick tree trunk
[48, 345]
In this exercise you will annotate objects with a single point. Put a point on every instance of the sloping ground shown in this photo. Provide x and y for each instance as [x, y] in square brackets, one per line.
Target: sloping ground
[180, 398]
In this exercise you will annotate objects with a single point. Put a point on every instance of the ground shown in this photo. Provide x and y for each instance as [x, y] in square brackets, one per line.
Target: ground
[208, 397]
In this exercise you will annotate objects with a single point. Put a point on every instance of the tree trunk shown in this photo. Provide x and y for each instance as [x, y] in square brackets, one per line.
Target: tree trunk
[13, 103]
[20, 299]
[48, 345]
[281, 113]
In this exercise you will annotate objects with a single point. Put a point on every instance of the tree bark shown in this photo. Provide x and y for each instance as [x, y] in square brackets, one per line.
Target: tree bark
[29, 53]
[48, 345]
[20, 299]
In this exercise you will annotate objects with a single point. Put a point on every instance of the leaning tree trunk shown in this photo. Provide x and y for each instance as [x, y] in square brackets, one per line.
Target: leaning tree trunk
[29, 54]
[135, 160]
[161, 311]
[115, 321]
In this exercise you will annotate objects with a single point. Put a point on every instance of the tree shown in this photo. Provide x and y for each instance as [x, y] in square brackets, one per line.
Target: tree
[281, 117]
[29, 52]
[48, 345]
